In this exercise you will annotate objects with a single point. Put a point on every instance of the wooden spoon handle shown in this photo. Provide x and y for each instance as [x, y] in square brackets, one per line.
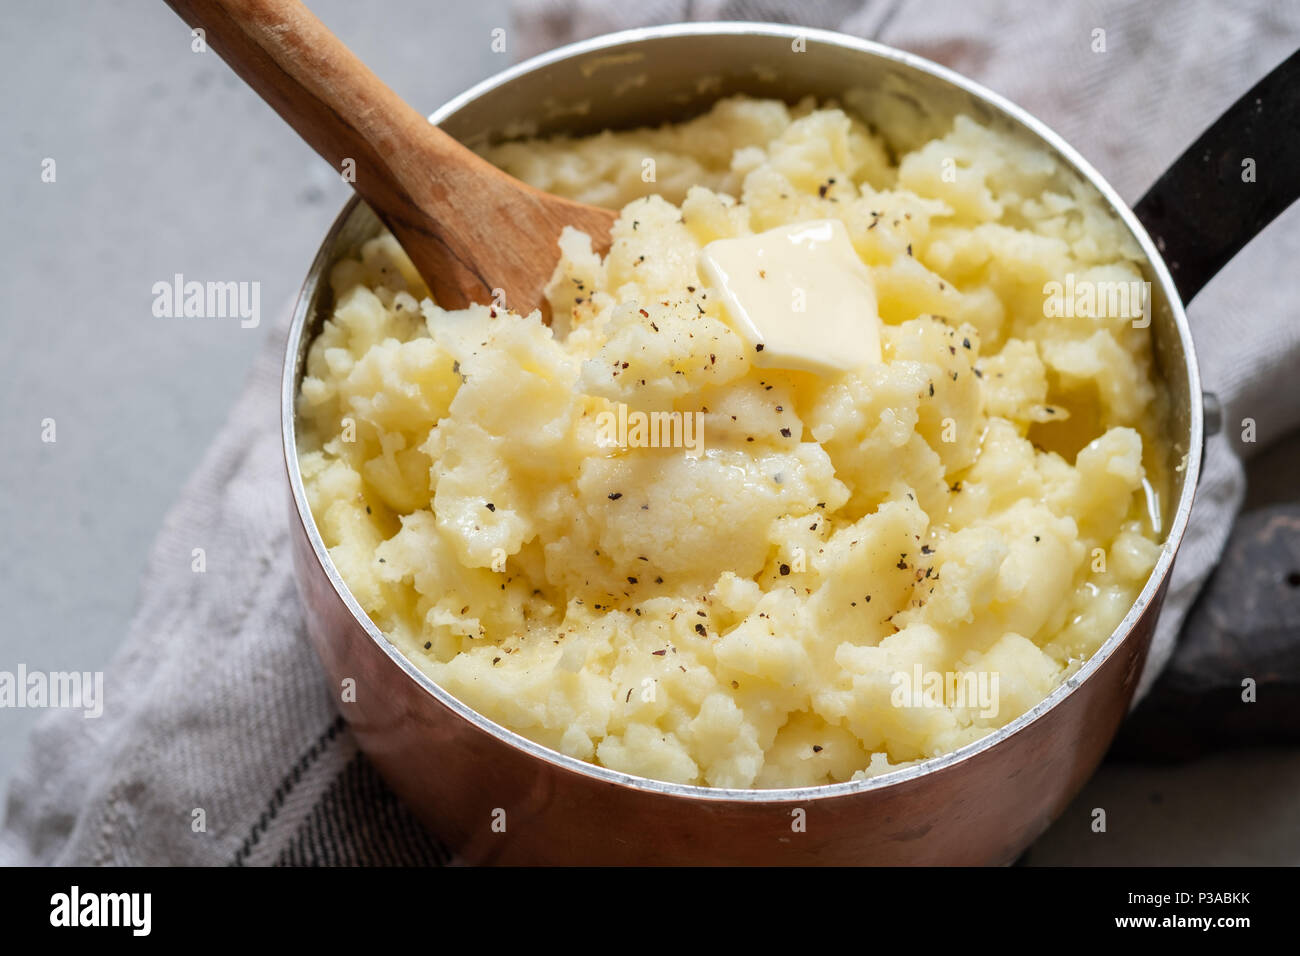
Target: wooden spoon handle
[404, 165]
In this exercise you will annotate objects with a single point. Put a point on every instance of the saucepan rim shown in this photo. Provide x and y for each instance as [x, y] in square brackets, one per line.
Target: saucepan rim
[295, 360]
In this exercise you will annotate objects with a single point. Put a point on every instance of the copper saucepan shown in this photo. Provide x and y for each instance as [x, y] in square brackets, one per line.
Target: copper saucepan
[981, 804]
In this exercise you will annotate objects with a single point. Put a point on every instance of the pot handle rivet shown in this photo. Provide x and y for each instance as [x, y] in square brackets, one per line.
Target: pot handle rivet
[1213, 414]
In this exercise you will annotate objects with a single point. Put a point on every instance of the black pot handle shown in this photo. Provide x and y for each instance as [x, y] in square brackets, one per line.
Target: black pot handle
[1229, 184]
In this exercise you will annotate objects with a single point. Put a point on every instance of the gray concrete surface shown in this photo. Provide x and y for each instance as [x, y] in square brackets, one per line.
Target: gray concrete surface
[166, 164]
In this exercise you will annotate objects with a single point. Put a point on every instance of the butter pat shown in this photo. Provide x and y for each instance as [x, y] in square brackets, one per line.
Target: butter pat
[798, 295]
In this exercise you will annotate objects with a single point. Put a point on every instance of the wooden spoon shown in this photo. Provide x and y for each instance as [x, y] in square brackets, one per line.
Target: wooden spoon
[469, 228]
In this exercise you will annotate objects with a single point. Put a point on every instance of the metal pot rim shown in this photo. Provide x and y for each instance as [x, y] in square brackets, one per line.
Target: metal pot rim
[1178, 526]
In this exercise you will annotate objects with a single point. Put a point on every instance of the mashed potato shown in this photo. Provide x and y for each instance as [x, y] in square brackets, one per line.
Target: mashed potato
[803, 599]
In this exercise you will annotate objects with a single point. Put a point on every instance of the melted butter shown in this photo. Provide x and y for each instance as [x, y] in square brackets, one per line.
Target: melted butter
[798, 295]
